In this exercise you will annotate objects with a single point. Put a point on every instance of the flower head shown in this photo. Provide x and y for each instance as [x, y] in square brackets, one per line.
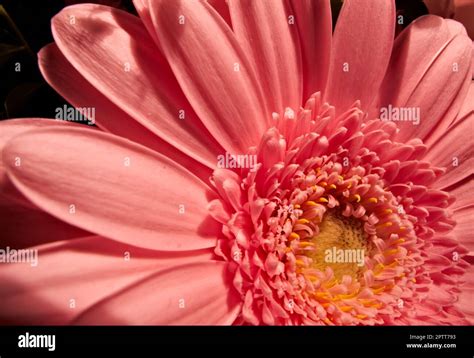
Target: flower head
[346, 201]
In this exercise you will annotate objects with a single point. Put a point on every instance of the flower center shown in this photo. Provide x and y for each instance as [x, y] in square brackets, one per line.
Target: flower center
[340, 244]
[321, 230]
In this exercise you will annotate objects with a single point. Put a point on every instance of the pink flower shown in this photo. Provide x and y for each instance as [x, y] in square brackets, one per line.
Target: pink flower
[329, 215]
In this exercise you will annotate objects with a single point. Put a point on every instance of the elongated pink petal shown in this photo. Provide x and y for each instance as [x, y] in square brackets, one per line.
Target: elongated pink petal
[459, 192]
[13, 127]
[71, 276]
[123, 63]
[213, 71]
[413, 52]
[466, 296]
[467, 107]
[463, 228]
[362, 40]
[447, 86]
[428, 57]
[453, 112]
[222, 8]
[454, 151]
[193, 294]
[62, 76]
[8, 130]
[314, 23]
[264, 31]
[112, 187]
[142, 9]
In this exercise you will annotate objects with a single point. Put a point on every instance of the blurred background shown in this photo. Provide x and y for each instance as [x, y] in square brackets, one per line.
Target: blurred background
[25, 27]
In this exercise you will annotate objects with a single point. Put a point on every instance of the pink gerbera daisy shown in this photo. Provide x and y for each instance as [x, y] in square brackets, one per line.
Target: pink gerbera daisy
[250, 167]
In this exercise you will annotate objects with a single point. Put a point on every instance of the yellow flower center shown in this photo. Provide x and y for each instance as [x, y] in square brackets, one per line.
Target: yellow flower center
[341, 244]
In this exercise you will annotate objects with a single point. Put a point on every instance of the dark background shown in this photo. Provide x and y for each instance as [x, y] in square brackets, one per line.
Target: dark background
[25, 29]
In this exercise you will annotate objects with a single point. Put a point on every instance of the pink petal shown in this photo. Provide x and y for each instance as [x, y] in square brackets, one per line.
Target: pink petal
[454, 151]
[466, 295]
[439, 296]
[467, 107]
[194, 294]
[363, 40]
[463, 228]
[452, 114]
[271, 42]
[423, 58]
[117, 41]
[314, 23]
[205, 57]
[413, 52]
[142, 9]
[138, 204]
[459, 192]
[62, 76]
[223, 9]
[14, 127]
[8, 130]
[85, 270]
[447, 90]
